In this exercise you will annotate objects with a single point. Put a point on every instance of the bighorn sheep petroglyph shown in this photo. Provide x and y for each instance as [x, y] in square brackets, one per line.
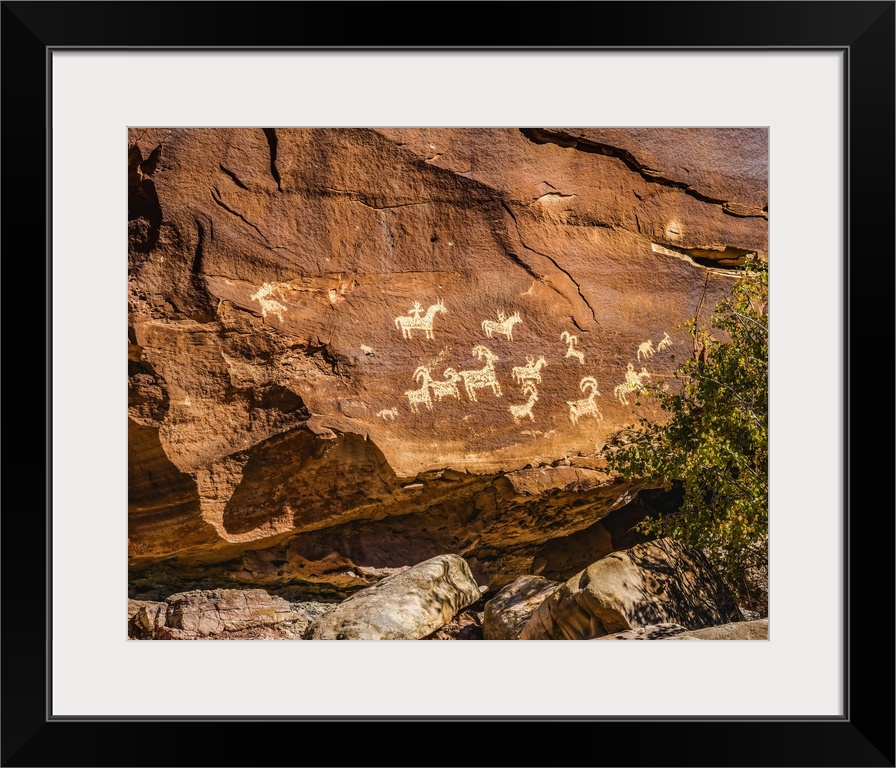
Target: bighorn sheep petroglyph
[571, 350]
[417, 396]
[519, 411]
[587, 406]
[484, 377]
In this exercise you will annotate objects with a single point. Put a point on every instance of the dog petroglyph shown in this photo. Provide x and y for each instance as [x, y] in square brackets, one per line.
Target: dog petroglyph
[262, 296]
[448, 387]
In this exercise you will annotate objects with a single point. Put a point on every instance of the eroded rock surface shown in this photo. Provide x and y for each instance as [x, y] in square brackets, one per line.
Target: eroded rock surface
[346, 346]
[658, 582]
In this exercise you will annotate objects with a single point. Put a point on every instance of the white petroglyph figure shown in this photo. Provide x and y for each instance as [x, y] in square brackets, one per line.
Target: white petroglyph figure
[634, 382]
[504, 325]
[646, 349]
[519, 411]
[448, 387]
[666, 342]
[587, 406]
[484, 377]
[388, 414]
[571, 342]
[414, 322]
[529, 371]
[267, 304]
[417, 396]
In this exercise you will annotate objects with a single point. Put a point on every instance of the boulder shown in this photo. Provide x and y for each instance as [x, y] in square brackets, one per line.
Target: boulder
[658, 582]
[207, 612]
[508, 611]
[406, 606]
[145, 618]
[741, 630]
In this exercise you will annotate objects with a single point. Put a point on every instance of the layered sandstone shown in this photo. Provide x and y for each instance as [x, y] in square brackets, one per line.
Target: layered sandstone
[353, 349]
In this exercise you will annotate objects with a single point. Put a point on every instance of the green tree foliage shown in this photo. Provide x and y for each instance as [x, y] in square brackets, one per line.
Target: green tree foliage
[714, 443]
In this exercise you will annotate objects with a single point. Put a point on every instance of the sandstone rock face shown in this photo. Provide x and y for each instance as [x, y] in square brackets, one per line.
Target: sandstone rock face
[659, 582]
[509, 611]
[346, 346]
[407, 606]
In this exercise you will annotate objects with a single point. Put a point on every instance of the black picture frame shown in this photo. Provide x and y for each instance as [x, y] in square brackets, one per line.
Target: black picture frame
[864, 31]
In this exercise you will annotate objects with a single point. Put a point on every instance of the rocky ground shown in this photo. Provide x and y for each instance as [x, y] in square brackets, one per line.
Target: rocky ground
[655, 591]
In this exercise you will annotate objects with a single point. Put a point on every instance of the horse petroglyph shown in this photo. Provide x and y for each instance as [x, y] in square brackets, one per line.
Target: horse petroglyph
[504, 325]
[519, 411]
[414, 322]
[634, 382]
[529, 371]
[268, 304]
[417, 396]
[586, 406]
[388, 414]
[571, 342]
[484, 377]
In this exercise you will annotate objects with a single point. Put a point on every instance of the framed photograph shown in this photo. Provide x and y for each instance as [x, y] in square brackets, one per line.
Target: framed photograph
[799, 93]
